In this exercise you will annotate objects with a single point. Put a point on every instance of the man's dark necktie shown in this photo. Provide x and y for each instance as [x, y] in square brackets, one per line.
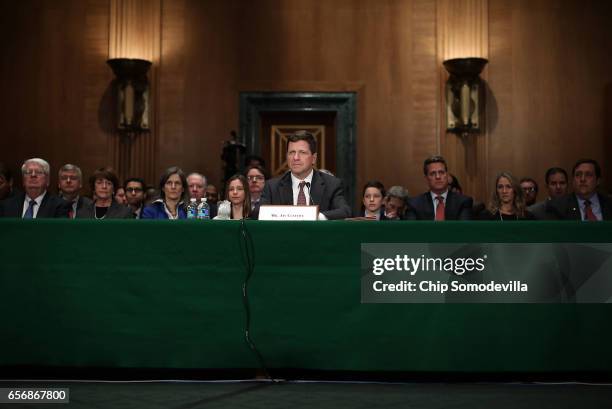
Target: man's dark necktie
[29, 214]
[588, 212]
[301, 195]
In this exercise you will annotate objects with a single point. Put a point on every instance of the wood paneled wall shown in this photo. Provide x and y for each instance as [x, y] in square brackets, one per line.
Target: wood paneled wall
[53, 79]
[549, 98]
[550, 67]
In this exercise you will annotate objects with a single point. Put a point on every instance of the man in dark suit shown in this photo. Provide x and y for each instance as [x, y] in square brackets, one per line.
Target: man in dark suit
[303, 185]
[585, 203]
[35, 202]
[449, 205]
[6, 182]
[556, 183]
[69, 185]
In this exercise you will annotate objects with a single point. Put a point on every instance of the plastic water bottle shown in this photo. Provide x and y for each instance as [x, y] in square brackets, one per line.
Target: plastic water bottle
[203, 211]
[192, 209]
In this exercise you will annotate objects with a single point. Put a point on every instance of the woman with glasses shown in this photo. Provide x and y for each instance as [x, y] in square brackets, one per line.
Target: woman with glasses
[103, 184]
[170, 205]
[507, 202]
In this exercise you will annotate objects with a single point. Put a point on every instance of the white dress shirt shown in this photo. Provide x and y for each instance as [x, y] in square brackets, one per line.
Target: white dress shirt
[26, 204]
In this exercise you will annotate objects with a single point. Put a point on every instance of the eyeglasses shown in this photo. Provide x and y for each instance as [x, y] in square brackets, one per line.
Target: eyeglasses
[67, 178]
[255, 178]
[529, 189]
[133, 190]
[33, 172]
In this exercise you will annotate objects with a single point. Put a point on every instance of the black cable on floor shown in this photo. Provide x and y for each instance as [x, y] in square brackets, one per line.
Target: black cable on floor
[249, 257]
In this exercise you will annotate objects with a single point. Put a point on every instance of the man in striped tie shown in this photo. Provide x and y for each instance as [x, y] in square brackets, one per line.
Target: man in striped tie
[303, 185]
[35, 202]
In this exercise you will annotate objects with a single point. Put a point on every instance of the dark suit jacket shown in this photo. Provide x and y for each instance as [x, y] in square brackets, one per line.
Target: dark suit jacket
[82, 202]
[115, 211]
[566, 207]
[50, 207]
[326, 192]
[457, 207]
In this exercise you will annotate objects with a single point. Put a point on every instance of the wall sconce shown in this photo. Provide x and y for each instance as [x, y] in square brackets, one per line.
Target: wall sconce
[132, 92]
[464, 95]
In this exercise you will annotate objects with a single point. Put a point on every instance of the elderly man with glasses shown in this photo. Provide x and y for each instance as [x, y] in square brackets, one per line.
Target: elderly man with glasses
[69, 186]
[35, 202]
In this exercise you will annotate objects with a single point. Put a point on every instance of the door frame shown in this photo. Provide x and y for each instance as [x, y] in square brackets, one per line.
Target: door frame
[344, 104]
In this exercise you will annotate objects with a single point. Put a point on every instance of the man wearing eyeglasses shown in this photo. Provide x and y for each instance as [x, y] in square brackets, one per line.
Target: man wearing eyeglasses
[35, 202]
[530, 190]
[135, 193]
[257, 180]
[69, 186]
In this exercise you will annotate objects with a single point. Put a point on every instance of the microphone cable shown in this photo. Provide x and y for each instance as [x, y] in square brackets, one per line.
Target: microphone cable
[249, 258]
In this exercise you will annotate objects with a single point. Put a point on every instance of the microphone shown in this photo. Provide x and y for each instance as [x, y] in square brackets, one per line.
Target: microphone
[309, 195]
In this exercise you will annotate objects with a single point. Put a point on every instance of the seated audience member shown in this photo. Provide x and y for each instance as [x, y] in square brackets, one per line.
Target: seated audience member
[439, 203]
[396, 203]
[453, 184]
[173, 192]
[372, 201]
[120, 196]
[103, 183]
[556, 183]
[151, 194]
[530, 190]
[197, 190]
[507, 201]
[303, 185]
[212, 196]
[35, 202]
[585, 203]
[237, 193]
[69, 185]
[197, 185]
[6, 182]
[135, 194]
[257, 180]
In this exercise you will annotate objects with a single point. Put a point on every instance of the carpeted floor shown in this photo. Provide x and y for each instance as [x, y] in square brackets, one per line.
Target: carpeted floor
[297, 395]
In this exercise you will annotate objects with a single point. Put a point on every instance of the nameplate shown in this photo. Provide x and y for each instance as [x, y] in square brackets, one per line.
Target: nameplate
[290, 213]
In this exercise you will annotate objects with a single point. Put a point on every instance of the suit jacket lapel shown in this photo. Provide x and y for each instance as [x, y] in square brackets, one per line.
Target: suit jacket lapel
[316, 190]
[606, 207]
[285, 190]
[429, 207]
[449, 205]
[17, 206]
[574, 208]
[42, 211]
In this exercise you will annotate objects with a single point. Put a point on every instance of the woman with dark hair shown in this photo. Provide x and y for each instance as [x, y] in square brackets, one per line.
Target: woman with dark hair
[507, 202]
[237, 193]
[170, 205]
[103, 183]
[372, 201]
